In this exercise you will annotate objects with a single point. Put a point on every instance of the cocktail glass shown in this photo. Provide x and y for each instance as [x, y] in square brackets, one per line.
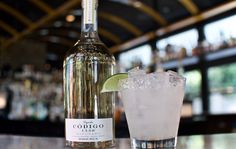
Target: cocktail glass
[152, 104]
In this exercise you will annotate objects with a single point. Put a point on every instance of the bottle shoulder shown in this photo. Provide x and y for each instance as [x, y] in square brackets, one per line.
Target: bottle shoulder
[89, 51]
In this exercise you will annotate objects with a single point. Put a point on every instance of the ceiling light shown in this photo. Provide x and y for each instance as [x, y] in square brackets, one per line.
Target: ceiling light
[70, 18]
[44, 32]
[58, 24]
[77, 12]
[137, 4]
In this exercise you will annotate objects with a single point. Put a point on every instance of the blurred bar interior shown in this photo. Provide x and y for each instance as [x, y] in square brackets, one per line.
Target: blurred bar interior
[197, 38]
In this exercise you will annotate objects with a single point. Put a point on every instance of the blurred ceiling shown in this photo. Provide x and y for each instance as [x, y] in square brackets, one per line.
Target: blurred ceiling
[56, 23]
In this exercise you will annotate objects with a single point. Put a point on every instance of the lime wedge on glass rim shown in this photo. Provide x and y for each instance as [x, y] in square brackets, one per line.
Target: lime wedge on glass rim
[111, 83]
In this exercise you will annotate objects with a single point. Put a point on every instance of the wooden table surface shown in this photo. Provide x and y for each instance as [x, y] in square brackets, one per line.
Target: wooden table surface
[219, 141]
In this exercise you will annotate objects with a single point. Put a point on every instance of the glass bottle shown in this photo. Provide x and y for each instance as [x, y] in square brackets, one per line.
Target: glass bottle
[89, 114]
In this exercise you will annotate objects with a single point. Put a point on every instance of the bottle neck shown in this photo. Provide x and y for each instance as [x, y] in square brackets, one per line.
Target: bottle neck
[89, 19]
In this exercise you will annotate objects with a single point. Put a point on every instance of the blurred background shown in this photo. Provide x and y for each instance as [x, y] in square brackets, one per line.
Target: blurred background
[196, 38]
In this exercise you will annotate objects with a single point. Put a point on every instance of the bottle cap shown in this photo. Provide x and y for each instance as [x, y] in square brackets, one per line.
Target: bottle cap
[89, 11]
[91, 3]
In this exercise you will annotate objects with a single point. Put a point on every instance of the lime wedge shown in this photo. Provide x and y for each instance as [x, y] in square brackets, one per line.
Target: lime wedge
[111, 83]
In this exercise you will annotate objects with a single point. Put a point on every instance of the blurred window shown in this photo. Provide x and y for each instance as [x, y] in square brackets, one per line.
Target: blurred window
[221, 30]
[136, 57]
[193, 90]
[187, 39]
[222, 84]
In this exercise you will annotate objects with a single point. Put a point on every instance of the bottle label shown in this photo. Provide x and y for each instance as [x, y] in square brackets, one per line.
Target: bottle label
[89, 7]
[89, 130]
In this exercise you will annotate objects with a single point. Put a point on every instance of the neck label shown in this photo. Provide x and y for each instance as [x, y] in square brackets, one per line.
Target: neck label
[89, 11]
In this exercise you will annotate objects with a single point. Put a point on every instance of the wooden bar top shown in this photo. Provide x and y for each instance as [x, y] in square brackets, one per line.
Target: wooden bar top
[218, 141]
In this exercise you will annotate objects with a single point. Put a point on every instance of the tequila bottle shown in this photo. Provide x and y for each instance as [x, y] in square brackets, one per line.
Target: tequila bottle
[89, 114]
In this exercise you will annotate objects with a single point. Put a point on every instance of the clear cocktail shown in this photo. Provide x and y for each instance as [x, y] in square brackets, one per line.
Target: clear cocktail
[152, 105]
